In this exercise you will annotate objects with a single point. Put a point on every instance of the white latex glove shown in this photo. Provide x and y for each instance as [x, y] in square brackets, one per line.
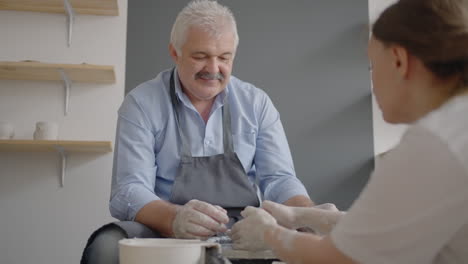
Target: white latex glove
[248, 234]
[199, 220]
[321, 218]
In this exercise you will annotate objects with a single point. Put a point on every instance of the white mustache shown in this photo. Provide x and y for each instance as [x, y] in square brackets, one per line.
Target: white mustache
[209, 76]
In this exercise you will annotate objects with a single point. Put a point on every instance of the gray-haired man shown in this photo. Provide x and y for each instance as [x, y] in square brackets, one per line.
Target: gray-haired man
[192, 143]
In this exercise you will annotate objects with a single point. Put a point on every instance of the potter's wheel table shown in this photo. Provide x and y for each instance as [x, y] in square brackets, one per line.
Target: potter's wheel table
[248, 257]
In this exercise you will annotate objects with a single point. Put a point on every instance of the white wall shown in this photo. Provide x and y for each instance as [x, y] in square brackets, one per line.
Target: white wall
[386, 135]
[39, 221]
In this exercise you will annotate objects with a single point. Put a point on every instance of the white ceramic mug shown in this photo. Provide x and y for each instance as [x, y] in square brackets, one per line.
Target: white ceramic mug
[46, 131]
[7, 130]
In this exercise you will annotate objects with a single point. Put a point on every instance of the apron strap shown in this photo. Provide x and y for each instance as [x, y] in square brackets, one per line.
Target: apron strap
[227, 134]
[185, 146]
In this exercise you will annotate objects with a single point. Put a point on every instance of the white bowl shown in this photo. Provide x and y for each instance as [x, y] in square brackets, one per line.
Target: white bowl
[162, 251]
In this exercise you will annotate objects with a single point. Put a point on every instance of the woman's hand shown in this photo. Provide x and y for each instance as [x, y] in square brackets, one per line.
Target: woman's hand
[249, 233]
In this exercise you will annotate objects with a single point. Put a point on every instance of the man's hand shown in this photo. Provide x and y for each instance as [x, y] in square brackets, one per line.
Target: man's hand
[321, 218]
[199, 220]
[248, 234]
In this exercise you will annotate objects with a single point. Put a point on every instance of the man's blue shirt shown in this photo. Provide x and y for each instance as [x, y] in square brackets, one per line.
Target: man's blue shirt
[146, 156]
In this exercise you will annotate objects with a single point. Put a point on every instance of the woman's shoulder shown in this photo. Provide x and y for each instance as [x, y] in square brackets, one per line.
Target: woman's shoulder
[448, 120]
[450, 124]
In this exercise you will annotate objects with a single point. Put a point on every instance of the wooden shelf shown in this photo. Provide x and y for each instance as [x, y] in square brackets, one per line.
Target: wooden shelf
[32, 70]
[90, 7]
[63, 147]
[68, 73]
[51, 145]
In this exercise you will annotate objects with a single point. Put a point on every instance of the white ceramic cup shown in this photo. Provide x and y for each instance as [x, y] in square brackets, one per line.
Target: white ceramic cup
[46, 131]
[7, 130]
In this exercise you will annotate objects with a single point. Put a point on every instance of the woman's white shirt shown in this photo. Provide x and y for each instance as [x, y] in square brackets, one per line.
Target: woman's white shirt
[415, 207]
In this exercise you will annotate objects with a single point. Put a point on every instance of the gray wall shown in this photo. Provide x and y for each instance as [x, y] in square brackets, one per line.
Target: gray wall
[310, 57]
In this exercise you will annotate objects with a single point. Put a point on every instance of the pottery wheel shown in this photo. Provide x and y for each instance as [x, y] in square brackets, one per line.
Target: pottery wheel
[230, 253]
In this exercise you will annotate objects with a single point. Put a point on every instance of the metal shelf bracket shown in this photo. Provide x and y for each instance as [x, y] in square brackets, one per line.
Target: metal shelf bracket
[63, 155]
[67, 85]
[70, 19]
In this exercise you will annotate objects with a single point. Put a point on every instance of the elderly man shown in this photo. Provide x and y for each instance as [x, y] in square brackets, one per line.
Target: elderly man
[193, 142]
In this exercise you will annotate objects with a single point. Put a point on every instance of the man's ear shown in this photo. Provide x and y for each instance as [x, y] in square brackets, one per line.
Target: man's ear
[400, 60]
[173, 53]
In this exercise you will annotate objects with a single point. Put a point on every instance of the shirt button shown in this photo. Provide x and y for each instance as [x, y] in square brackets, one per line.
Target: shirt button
[207, 142]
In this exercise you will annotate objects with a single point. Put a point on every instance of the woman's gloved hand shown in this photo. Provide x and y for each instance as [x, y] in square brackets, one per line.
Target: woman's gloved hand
[321, 218]
[199, 220]
[285, 215]
[248, 234]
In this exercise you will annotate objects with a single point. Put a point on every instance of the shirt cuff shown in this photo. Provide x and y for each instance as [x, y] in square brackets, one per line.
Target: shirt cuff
[126, 204]
[283, 190]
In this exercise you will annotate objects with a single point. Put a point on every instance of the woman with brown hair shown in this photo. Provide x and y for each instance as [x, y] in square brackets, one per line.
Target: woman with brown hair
[415, 207]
